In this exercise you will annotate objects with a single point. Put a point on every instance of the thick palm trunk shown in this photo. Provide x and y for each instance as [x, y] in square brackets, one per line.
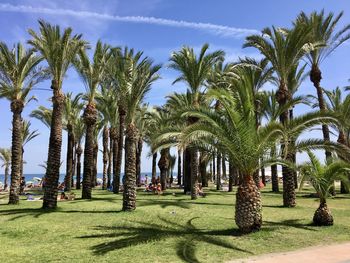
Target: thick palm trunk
[274, 172]
[231, 176]
[16, 151]
[79, 153]
[218, 172]
[94, 169]
[203, 170]
[116, 176]
[138, 161]
[54, 153]
[120, 147]
[21, 186]
[129, 194]
[315, 77]
[282, 96]
[323, 216]
[194, 173]
[90, 117]
[342, 140]
[179, 167]
[69, 160]
[163, 165]
[248, 214]
[105, 157]
[6, 177]
[187, 171]
[154, 167]
[223, 167]
[110, 160]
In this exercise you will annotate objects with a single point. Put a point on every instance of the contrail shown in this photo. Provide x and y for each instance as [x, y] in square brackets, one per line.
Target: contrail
[220, 30]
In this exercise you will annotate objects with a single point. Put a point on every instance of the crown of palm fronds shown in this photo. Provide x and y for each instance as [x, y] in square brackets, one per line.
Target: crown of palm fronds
[59, 49]
[43, 114]
[27, 134]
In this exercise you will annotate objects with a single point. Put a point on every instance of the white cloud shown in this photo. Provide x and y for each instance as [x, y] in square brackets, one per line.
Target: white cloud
[220, 30]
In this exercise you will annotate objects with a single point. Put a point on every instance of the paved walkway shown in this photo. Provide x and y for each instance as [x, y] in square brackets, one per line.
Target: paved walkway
[339, 253]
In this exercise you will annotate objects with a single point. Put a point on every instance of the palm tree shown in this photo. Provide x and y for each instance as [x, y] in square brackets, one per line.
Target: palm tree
[79, 131]
[59, 50]
[27, 136]
[283, 49]
[72, 109]
[19, 72]
[141, 124]
[194, 71]
[5, 157]
[137, 78]
[92, 73]
[322, 178]
[234, 132]
[322, 30]
[42, 114]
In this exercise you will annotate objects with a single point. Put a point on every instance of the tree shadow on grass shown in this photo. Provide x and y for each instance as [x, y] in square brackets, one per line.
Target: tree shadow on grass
[163, 203]
[295, 223]
[37, 212]
[188, 236]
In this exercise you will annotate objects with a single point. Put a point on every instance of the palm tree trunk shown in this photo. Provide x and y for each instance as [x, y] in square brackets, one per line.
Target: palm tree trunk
[218, 172]
[248, 214]
[21, 186]
[116, 176]
[120, 147]
[90, 117]
[294, 156]
[214, 169]
[74, 159]
[16, 151]
[94, 169]
[163, 165]
[110, 159]
[6, 177]
[274, 172]
[69, 160]
[342, 140]
[231, 175]
[187, 171]
[54, 153]
[129, 194]
[194, 173]
[105, 156]
[323, 216]
[263, 177]
[154, 167]
[315, 77]
[282, 97]
[203, 170]
[138, 161]
[79, 153]
[223, 167]
[179, 167]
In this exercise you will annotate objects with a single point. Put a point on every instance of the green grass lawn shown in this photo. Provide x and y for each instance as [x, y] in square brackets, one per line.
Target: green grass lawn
[162, 229]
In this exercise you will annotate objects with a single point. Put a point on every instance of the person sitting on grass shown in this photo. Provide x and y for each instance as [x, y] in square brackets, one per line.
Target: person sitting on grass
[200, 190]
[159, 189]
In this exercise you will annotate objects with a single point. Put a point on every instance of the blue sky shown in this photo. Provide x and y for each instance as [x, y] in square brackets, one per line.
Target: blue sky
[157, 27]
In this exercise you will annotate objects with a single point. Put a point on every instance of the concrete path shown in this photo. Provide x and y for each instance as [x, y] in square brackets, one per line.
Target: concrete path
[339, 253]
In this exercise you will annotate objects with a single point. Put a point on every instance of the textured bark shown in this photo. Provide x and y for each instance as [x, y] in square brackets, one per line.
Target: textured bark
[179, 167]
[283, 96]
[294, 156]
[54, 153]
[256, 178]
[231, 176]
[129, 194]
[224, 167]
[79, 153]
[315, 77]
[90, 118]
[110, 160]
[105, 157]
[203, 171]
[138, 161]
[214, 169]
[69, 160]
[116, 176]
[16, 151]
[248, 214]
[21, 186]
[163, 165]
[263, 177]
[187, 171]
[218, 172]
[323, 216]
[120, 147]
[74, 162]
[194, 173]
[154, 167]
[94, 168]
[274, 178]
